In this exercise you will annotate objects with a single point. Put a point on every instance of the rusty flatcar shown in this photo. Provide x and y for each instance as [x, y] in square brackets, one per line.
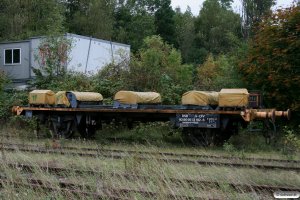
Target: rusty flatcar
[202, 123]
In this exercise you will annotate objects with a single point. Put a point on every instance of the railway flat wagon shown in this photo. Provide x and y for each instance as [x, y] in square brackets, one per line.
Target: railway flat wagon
[204, 117]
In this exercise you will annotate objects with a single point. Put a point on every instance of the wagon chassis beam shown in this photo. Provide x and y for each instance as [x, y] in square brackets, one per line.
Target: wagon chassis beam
[247, 114]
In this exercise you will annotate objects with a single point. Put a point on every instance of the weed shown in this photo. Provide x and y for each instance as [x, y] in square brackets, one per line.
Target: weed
[228, 147]
[291, 143]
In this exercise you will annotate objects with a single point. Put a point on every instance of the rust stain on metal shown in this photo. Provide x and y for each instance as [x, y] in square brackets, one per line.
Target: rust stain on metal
[112, 110]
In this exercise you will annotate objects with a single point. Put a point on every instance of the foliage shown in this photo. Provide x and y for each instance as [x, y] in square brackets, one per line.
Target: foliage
[52, 58]
[53, 55]
[134, 22]
[218, 73]
[164, 21]
[291, 143]
[272, 63]
[158, 136]
[3, 81]
[217, 27]
[69, 81]
[158, 67]
[228, 147]
[24, 123]
[110, 80]
[185, 36]
[9, 99]
[83, 15]
[23, 19]
[253, 12]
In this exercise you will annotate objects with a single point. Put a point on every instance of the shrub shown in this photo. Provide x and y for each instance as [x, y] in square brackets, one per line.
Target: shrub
[3, 81]
[10, 99]
[291, 143]
[109, 80]
[158, 67]
[52, 58]
[228, 147]
[217, 73]
[69, 81]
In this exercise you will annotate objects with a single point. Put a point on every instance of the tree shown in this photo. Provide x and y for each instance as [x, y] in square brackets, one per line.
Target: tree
[52, 58]
[217, 73]
[158, 67]
[252, 12]
[217, 28]
[91, 17]
[273, 60]
[185, 35]
[226, 3]
[134, 22]
[164, 22]
[23, 19]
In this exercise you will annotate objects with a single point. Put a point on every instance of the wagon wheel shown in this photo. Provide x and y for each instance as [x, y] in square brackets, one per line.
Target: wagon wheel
[63, 129]
[222, 136]
[269, 130]
[86, 131]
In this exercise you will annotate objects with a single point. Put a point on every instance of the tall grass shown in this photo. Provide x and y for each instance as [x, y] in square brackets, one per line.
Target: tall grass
[159, 179]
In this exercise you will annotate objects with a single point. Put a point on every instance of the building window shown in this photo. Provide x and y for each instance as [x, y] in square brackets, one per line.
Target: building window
[12, 56]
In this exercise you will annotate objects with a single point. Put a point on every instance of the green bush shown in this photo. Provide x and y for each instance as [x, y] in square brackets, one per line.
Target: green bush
[23, 123]
[291, 142]
[51, 73]
[251, 142]
[3, 81]
[109, 80]
[171, 91]
[10, 99]
[228, 147]
[69, 81]
[158, 67]
[217, 73]
[154, 133]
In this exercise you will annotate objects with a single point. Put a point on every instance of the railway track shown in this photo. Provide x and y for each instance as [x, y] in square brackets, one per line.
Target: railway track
[102, 192]
[64, 188]
[103, 150]
[113, 155]
[270, 189]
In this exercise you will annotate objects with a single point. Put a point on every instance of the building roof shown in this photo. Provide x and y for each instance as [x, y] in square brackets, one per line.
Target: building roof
[17, 41]
[70, 35]
[96, 39]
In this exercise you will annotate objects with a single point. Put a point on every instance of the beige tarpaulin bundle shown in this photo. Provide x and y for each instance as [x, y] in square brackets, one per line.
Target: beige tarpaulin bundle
[87, 96]
[61, 98]
[37, 97]
[131, 97]
[233, 97]
[200, 98]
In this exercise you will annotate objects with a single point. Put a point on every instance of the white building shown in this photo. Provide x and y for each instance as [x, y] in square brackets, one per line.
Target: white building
[87, 55]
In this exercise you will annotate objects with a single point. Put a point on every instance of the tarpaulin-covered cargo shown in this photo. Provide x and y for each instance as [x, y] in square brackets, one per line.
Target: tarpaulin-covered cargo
[61, 99]
[84, 98]
[200, 98]
[87, 96]
[131, 97]
[41, 97]
[233, 97]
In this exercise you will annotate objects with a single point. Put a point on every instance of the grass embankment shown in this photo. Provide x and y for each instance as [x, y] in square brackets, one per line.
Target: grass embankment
[159, 175]
[150, 138]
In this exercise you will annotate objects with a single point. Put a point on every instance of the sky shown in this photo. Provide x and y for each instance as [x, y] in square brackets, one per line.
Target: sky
[195, 5]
